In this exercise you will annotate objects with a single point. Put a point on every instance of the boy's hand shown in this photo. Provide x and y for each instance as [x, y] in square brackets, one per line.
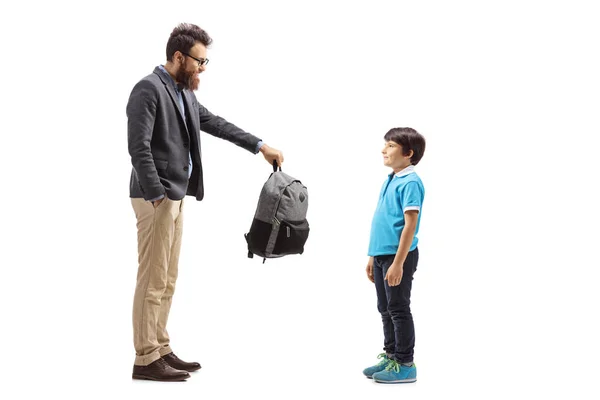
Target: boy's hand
[394, 274]
[370, 270]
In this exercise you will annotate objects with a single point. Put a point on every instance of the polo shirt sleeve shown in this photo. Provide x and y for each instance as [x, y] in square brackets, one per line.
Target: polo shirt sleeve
[411, 197]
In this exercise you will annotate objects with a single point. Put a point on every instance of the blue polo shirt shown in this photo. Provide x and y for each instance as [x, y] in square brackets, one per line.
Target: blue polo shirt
[401, 192]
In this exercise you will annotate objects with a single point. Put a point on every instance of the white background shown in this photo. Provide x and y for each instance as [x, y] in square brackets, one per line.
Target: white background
[505, 298]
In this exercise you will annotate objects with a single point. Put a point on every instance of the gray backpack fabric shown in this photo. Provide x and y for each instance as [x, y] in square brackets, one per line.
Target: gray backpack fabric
[279, 227]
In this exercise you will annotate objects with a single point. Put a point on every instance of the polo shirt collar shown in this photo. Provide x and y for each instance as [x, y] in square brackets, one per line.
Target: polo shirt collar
[408, 170]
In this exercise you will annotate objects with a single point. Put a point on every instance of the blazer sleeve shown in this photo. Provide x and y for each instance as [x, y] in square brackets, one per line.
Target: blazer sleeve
[219, 127]
[141, 113]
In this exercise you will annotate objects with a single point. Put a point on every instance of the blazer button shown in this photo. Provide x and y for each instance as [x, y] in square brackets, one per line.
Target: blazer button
[185, 145]
[186, 168]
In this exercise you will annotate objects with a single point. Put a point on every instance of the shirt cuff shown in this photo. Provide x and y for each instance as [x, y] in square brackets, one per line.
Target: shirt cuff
[258, 146]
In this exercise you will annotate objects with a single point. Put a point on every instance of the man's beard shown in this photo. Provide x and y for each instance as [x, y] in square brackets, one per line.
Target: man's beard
[186, 79]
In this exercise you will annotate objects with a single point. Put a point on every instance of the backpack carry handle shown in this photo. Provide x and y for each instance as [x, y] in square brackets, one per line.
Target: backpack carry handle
[275, 166]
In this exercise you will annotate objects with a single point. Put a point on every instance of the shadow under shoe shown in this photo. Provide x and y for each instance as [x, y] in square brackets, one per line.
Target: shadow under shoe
[177, 363]
[159, 370]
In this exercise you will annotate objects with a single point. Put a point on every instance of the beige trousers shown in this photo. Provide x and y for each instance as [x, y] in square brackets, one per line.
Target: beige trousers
[159, 241]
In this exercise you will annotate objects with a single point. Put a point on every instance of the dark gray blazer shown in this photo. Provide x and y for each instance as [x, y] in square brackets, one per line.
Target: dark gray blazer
[160, 141]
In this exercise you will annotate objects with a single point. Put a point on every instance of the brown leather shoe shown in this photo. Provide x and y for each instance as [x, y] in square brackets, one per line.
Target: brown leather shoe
[176, 363]
[159, 370]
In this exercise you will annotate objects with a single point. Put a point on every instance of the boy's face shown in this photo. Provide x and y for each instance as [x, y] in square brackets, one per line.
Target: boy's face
[393, 157]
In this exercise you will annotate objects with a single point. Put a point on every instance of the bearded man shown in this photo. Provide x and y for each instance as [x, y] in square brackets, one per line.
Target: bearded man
[164, 123]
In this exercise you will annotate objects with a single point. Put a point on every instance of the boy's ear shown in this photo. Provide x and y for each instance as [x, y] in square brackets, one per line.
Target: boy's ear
[410, 154]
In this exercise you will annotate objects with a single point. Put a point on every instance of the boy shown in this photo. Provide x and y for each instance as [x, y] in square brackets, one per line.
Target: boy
[393, 254]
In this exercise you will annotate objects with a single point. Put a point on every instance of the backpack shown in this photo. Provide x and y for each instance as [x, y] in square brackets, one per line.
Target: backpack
[279, 227]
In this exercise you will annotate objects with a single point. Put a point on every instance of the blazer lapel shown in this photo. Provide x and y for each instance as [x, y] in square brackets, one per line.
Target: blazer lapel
[194, 119]
[192, 110]
[171, 91]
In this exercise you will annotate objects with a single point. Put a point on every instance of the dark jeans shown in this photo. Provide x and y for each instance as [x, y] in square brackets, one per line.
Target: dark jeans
[394, 305]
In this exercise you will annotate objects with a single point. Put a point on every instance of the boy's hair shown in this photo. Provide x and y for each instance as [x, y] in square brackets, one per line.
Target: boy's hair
[184, 37]
[409, 139]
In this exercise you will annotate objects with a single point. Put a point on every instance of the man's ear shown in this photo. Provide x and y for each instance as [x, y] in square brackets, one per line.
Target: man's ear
[178, 56]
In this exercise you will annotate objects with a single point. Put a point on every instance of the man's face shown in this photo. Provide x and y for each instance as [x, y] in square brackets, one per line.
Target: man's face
[189, 69]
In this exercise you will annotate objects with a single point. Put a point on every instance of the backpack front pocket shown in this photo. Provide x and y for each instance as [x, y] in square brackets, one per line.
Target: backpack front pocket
[291, 237]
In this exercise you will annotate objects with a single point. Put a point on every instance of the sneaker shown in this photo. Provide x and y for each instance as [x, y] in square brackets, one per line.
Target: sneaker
[396, 373]
[378, 367]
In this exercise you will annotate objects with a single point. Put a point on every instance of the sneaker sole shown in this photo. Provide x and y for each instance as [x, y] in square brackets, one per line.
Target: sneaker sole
[400, 381]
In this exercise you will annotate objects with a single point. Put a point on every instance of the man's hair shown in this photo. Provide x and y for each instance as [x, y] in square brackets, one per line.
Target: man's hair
[184, 37]
[409, 139]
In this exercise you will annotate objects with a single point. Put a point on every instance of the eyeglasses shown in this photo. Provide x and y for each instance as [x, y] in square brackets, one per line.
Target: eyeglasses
[201, 61]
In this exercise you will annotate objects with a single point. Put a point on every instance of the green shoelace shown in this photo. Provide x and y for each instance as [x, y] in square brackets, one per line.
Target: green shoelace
[393, 365]
[384, 360]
